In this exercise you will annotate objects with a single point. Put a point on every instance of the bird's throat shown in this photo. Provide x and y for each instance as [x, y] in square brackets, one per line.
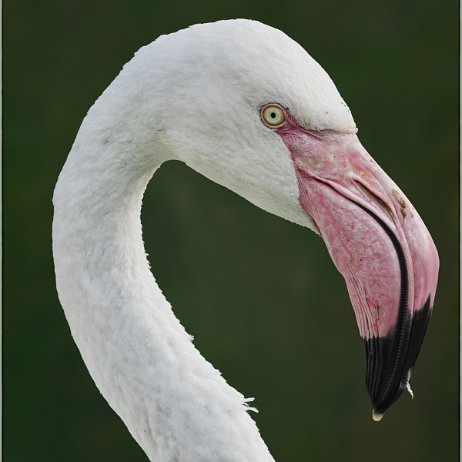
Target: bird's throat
[175, 404]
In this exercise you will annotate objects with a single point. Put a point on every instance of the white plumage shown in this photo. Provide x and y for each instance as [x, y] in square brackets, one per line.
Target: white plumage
[193, 96]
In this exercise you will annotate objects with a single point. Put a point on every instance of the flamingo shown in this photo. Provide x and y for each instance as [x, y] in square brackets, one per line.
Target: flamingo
[247, 107]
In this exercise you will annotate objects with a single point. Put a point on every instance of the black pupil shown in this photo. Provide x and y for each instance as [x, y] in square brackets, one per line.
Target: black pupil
[273, 115]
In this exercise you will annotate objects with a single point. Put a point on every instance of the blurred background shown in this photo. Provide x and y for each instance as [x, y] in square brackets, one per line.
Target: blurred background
[260, 295]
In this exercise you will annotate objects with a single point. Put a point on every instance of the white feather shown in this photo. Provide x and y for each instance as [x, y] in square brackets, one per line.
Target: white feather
[193, 96]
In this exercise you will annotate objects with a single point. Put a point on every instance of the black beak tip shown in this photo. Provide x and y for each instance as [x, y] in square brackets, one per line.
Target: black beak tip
[390, 360]
[383, 401]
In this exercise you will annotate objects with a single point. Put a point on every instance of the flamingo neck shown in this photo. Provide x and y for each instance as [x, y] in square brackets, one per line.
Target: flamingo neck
[174, 403]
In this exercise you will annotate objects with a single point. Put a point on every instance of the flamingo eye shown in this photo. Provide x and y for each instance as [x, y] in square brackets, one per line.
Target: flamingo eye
[272, 115]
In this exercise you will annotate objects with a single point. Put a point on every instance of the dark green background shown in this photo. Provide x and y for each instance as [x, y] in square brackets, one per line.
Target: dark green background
[260, 295]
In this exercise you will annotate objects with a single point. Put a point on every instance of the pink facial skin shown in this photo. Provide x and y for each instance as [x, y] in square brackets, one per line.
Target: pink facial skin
[352, 202]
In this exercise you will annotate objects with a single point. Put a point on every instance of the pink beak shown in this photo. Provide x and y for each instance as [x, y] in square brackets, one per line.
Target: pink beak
[379, 244]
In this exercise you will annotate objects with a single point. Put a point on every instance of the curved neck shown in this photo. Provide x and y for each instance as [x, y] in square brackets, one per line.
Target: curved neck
[175, 404]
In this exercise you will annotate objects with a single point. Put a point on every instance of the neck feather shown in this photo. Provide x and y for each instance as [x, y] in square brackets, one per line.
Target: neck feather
[174, 403]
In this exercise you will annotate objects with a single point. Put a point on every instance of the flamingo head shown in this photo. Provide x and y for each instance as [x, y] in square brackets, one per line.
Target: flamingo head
[247, 107]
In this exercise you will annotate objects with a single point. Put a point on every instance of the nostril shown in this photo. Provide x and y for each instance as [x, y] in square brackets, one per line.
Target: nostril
[401, 202]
